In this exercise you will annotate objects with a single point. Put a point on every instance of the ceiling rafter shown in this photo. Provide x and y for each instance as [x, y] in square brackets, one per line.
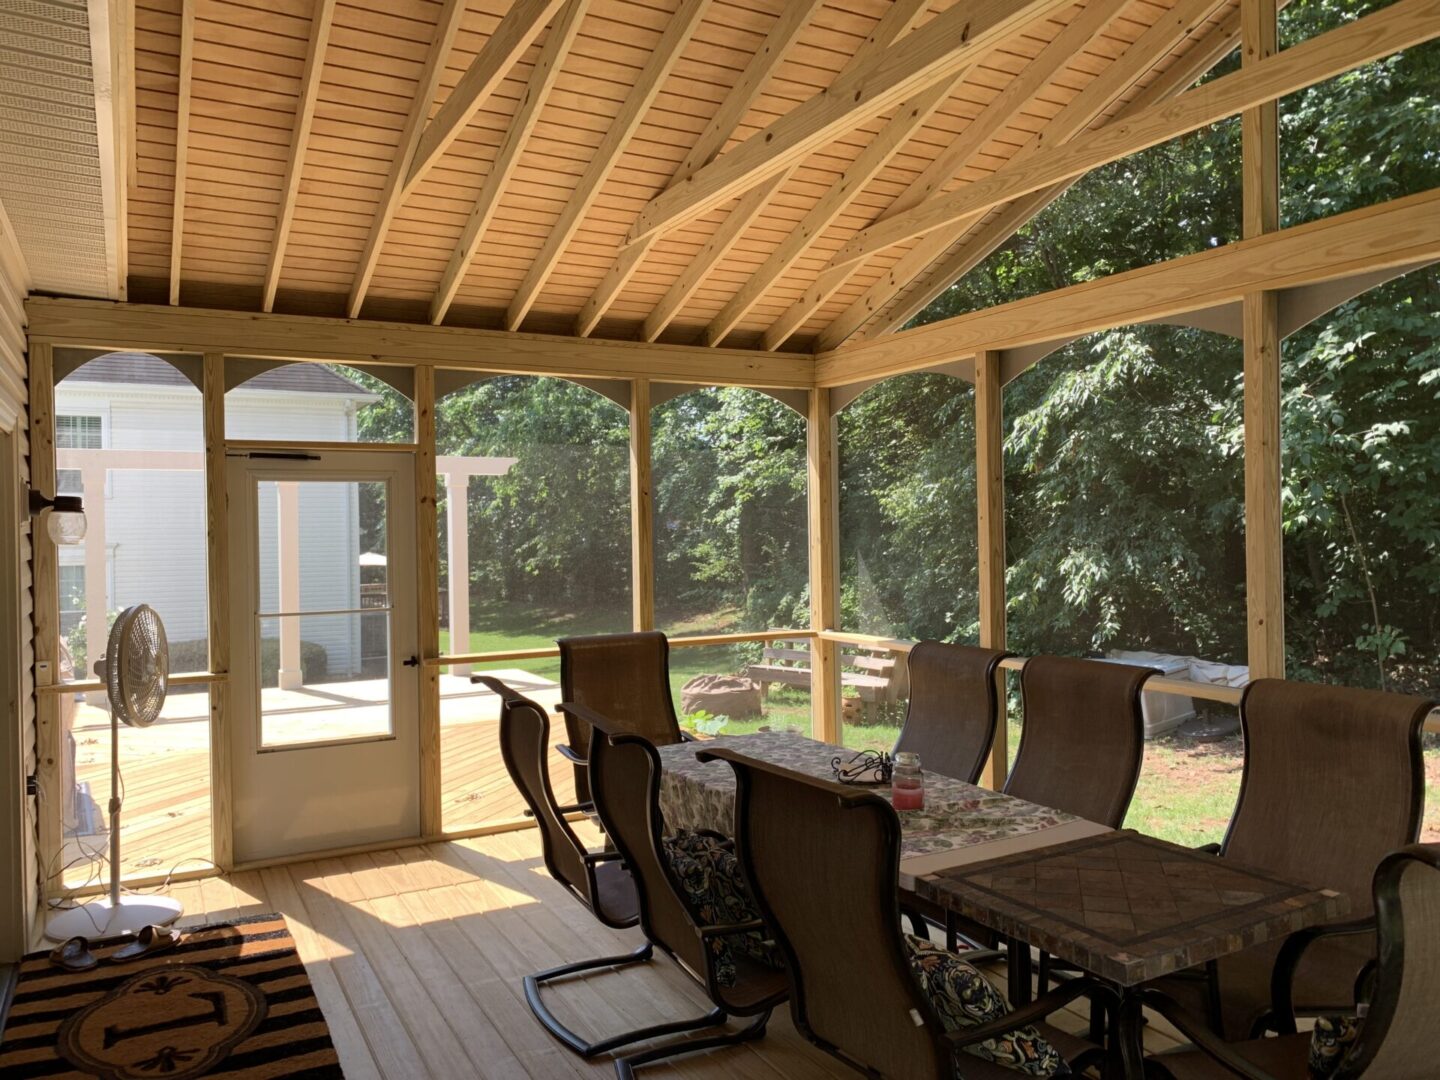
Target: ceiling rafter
[951, 41]
[299, 141]
[1406, 23]
[182, 144]
[908, 288]
[673, 40]
[392, 194]
[899, 19]
[1033, 78]
[783, 32]
[542, 81]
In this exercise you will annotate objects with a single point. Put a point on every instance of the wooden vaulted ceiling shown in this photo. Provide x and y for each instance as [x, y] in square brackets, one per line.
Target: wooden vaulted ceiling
[316, 156]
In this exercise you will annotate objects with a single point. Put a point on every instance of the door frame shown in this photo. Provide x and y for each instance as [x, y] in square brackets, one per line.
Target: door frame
[245, 465]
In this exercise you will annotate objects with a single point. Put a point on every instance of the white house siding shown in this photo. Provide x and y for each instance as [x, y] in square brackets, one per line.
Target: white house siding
[155, 520]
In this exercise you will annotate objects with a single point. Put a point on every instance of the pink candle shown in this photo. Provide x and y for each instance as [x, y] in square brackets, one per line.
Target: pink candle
[907, 798]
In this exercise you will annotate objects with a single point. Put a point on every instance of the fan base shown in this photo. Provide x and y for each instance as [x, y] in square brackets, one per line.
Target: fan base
[99, 919]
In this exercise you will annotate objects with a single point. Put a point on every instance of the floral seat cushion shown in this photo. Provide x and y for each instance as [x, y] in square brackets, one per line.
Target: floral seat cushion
[710, 881]
[964, 998]
[1329, 1042]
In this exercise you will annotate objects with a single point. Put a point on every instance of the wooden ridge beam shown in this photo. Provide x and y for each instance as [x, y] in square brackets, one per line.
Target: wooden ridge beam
[542, 81]
[107, 325]
[678, 31]
[925, 271]
[1032, 79]
[899, 19]
[393, 193]
[793, 19]
[950, 42]
[182, 145]
[1395, 233]
[1404, 24]
[299, 141]
[515, 33]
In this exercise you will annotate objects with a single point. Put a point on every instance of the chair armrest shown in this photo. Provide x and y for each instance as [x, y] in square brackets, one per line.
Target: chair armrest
[1038, 1009]
[1204, 1039]
[570, 755]
[1282, 979]
[729, 929]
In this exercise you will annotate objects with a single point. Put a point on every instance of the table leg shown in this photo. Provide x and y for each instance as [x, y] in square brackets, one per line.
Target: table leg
[1017, 965]
[1126, 1057]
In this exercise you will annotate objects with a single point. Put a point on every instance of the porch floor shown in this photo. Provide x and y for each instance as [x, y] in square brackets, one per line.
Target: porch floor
[417, 954]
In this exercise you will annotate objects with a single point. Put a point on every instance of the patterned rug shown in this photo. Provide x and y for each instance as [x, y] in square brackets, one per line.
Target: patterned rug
[230, 1000]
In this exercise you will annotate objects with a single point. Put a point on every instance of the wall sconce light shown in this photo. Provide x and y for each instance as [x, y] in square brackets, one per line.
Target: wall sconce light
[63, 516]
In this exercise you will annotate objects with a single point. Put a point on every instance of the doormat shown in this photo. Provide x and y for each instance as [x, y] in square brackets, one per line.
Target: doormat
[230, 1000]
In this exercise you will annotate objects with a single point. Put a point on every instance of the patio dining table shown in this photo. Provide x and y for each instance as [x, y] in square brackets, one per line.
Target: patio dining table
[1124, 907]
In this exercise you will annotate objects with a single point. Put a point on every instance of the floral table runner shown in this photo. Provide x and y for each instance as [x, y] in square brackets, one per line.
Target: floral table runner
[696, 795]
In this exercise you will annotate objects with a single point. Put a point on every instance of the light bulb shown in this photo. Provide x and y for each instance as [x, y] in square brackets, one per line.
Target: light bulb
[65, 526]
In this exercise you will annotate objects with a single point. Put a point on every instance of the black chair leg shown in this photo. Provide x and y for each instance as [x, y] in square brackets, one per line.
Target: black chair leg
[625, 1067]
[918, 926]
[551, 1023]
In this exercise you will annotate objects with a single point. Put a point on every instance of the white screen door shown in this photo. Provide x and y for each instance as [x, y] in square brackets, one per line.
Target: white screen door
[324, 692]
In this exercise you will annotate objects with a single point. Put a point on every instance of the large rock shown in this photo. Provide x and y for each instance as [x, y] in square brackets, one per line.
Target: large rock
[721, 695]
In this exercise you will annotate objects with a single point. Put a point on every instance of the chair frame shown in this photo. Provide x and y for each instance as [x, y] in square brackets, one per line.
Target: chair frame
[1384, 1001]
[591, 860]
[761, 1009]
[944, 1043]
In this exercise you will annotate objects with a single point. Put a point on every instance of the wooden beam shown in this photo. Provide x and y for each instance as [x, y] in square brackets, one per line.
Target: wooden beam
[950, 42]
[1395, 233]
[1400, 26]
[299, 139]
[926, 271]
[642, 510]
[1264, 536]
[990, 517]
[537, 91]
[793, 18]
[182, 145]
[112, 65]
[393, 193]
[823, 487]
[217, 573]
[516, 32]
[899, 19]
[45, 612]
[427, 607]
[977, 134]
[106, 325]
[678, 30]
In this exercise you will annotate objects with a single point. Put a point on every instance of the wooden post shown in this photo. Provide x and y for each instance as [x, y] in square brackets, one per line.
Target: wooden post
[642, 510]
[990, 516]
[427, 605]
[457, 531]
[217, 535]
[824, 530]
[46, 586]
[287, 531]
[1264, 541]
[97, 592]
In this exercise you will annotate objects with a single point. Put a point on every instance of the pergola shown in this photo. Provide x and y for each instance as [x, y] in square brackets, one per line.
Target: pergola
[645, 196]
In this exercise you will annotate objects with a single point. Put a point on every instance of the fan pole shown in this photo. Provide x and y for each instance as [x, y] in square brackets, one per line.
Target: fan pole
[114, 812]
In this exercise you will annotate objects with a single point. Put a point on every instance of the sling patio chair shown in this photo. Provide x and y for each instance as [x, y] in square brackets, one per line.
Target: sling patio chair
[722, 957]
[1333, 780]
[599, 880]
[624, 677]
[950, 722]
[822, 861]
[1391, 1038]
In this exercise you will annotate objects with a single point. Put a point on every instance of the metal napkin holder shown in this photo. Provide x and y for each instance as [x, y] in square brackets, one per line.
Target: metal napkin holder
[865, 767]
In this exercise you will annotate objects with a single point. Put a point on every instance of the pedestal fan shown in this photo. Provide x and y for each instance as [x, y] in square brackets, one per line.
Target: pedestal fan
[136, 673]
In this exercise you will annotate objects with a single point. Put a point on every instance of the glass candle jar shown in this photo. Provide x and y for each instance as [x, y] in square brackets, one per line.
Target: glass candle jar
[907, 784]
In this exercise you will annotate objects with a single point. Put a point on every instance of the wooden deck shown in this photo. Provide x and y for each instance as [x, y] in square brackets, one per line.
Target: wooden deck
[416, 956]
[165, 771]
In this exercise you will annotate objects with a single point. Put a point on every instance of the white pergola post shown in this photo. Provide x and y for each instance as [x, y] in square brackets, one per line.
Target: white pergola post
[288, 567]
[97, 593]
[457, 488]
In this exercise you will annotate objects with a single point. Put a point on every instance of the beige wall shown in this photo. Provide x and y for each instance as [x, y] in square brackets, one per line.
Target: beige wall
[18, 890]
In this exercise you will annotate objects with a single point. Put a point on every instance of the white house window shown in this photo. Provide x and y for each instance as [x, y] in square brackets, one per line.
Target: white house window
[76, 433]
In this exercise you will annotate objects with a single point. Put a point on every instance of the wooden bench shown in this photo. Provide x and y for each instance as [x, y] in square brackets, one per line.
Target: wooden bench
[877, 676]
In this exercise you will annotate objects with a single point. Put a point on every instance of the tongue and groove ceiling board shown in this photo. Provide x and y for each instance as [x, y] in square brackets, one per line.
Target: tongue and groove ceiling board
[247, 82]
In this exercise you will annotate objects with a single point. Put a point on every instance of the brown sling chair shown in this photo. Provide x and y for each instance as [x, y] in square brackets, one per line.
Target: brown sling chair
[624, 770]
[599, 880]
[1394, 1040]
